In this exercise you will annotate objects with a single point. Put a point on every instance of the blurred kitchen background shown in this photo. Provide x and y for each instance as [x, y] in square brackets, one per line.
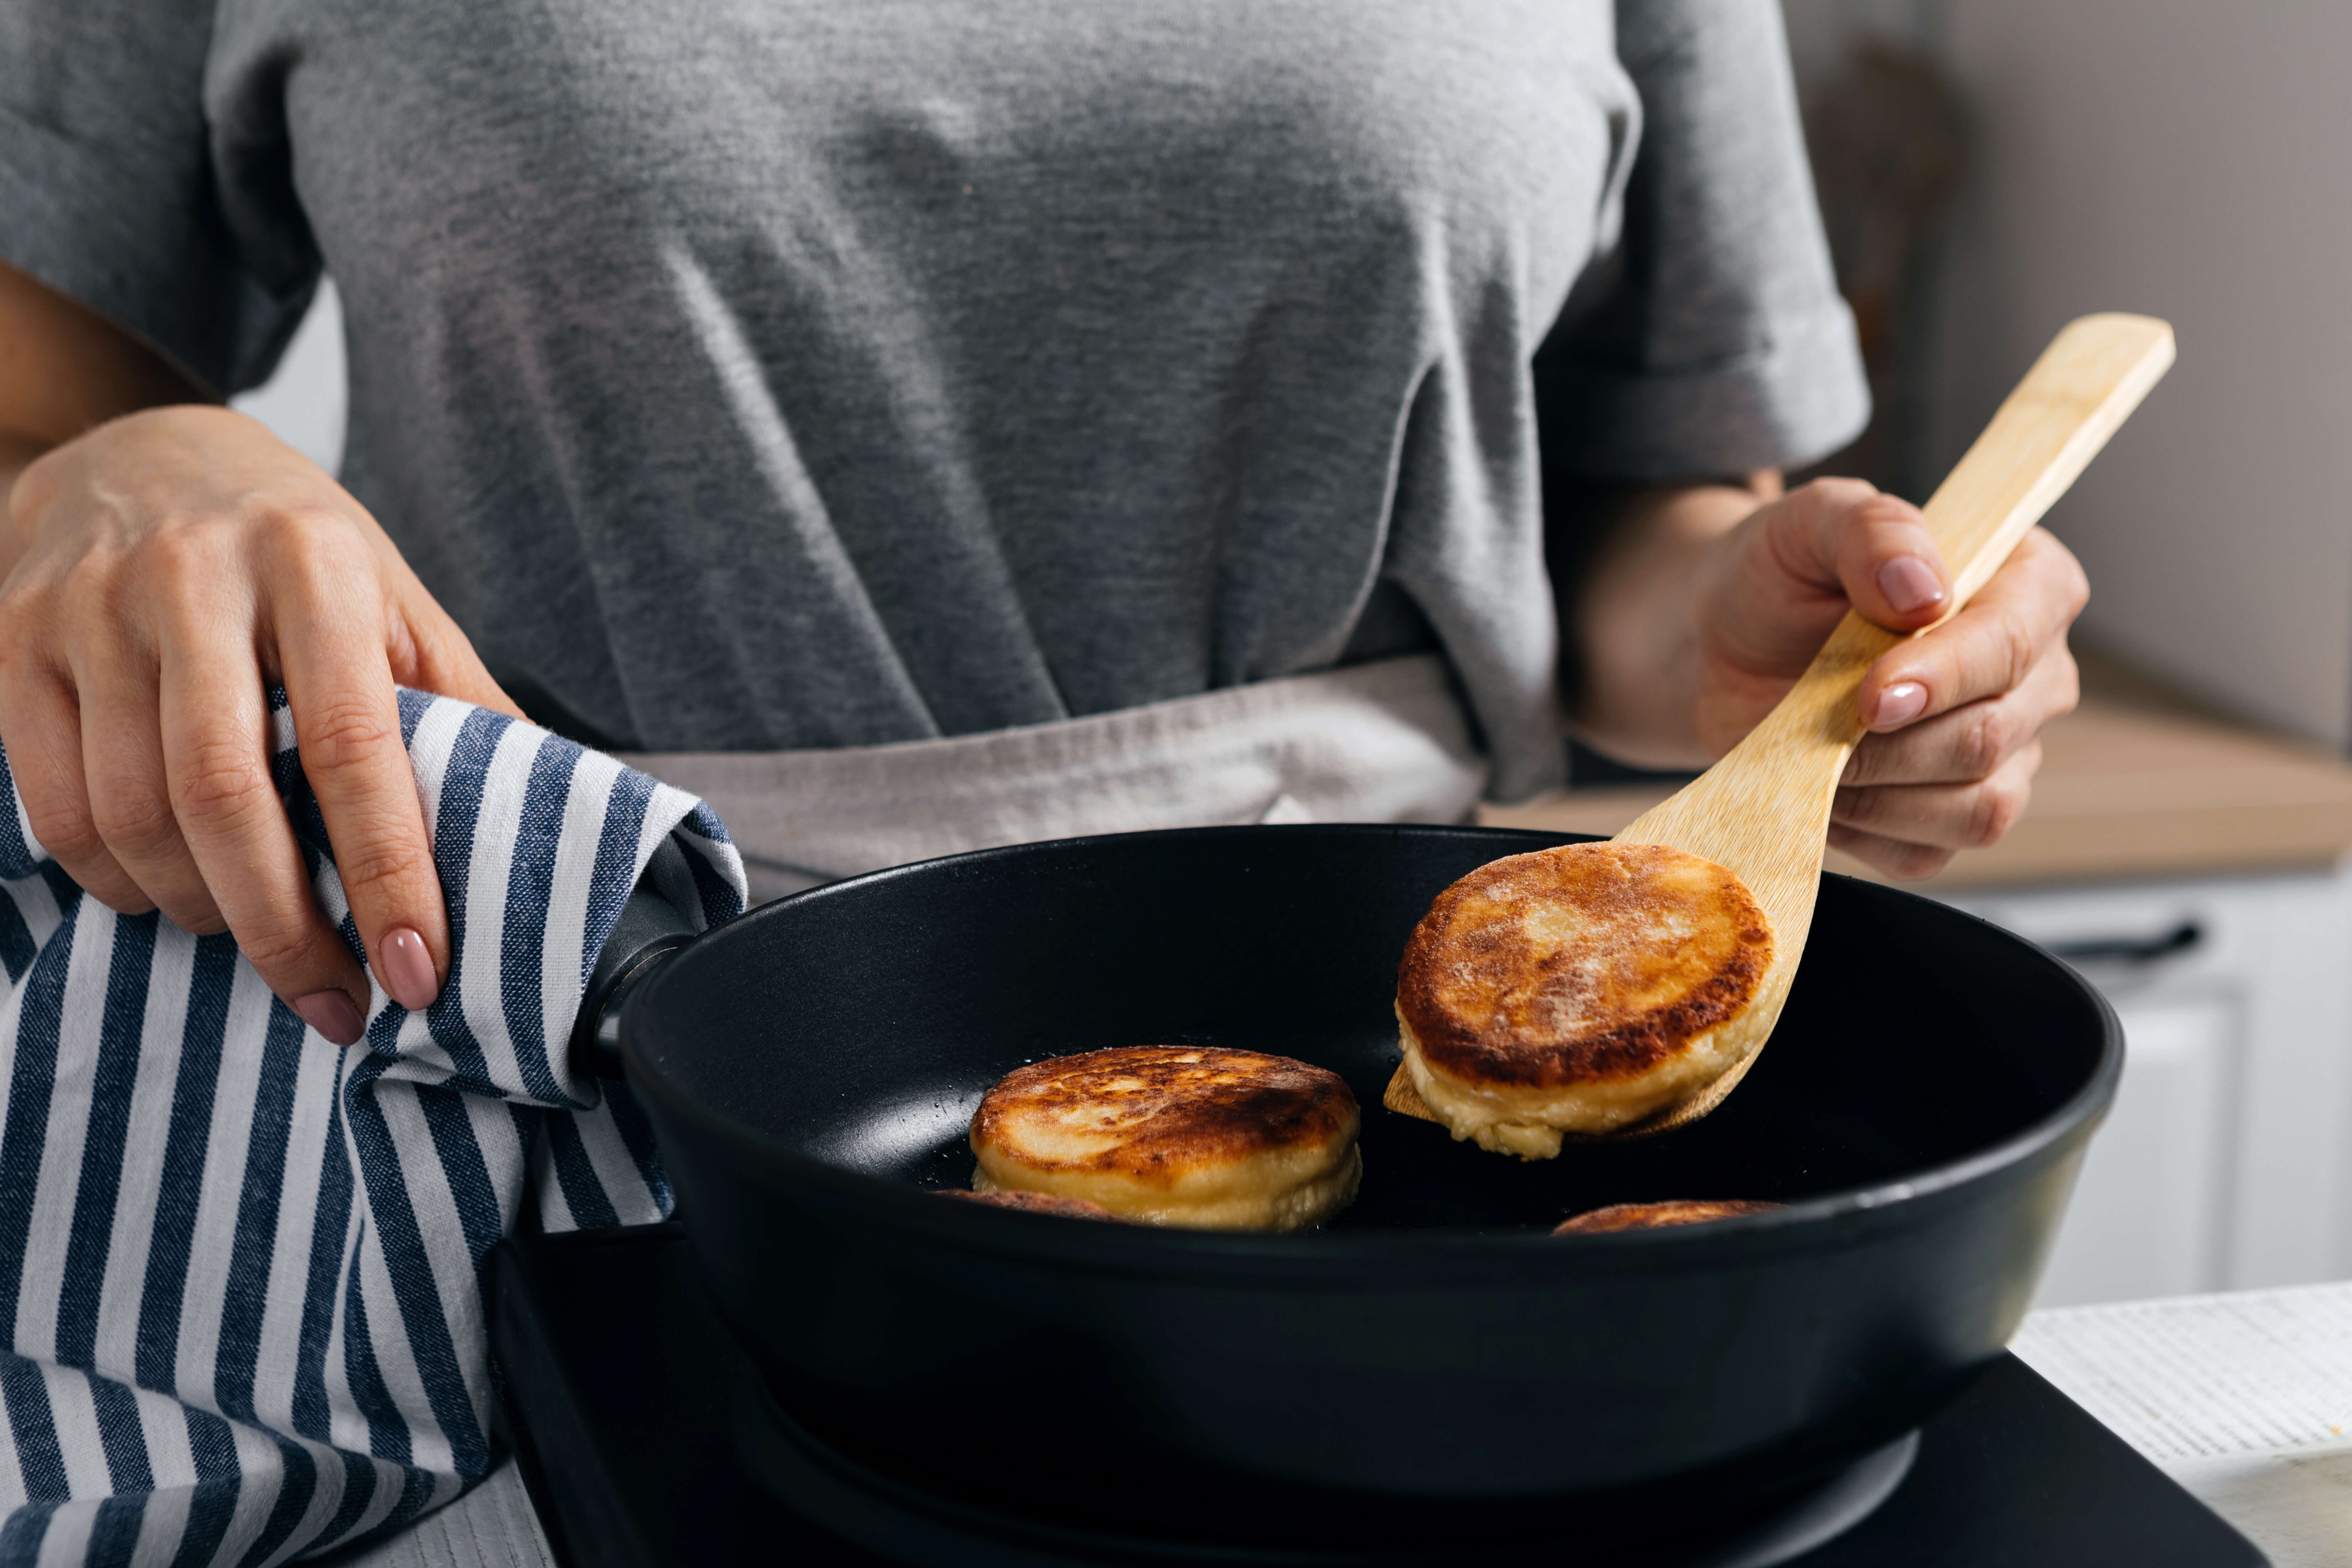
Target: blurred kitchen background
[1995, 167]
[1988, 170]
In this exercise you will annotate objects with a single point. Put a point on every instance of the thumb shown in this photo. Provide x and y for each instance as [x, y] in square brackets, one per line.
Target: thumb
[1845, 536]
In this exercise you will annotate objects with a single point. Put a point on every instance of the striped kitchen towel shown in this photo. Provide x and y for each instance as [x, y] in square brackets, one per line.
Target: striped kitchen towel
[241, 1267]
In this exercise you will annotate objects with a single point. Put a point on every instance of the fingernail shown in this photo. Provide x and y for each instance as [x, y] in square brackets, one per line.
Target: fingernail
[332, 1014]
[1909, 583]
[1899, 704]
[407, 970]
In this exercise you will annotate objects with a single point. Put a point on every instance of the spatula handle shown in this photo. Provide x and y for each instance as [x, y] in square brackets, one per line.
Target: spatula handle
[2080, 390]
[1764, 809]
[2077, 395]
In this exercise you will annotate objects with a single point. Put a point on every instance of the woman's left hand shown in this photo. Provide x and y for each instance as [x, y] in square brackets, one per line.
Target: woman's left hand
[1952, 768]
[1954, 716]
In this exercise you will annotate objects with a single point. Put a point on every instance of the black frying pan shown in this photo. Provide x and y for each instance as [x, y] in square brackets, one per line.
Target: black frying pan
[1432, 1365]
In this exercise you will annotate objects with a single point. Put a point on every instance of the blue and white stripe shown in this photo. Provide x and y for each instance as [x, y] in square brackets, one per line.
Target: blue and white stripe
[241, 1267]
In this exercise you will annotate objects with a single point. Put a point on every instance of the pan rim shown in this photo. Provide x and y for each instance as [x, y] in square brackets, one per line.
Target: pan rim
[1829, 1220]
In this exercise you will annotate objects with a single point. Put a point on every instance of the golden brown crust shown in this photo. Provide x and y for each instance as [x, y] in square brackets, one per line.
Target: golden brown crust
[1154, 1112]
[1032, 1203]
[1657, 1216]
[1582, 964]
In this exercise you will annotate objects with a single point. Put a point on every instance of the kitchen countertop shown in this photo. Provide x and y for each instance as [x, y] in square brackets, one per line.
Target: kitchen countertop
[2244, 1399]
[2135, 783]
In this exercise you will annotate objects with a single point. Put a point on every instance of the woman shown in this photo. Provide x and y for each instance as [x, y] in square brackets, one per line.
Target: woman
[830, 378]
[916, 425]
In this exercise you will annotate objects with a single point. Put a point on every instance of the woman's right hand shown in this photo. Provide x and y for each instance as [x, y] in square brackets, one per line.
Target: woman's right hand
[171, 565]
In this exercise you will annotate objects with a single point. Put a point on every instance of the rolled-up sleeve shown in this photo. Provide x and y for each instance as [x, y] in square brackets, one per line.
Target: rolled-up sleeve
[1713, 339]
[110, 190]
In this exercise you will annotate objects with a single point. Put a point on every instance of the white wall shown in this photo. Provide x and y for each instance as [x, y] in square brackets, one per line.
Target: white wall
[307, 400]
[2192, 161]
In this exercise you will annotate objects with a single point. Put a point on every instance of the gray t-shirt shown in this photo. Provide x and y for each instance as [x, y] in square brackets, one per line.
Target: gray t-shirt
[773, 373]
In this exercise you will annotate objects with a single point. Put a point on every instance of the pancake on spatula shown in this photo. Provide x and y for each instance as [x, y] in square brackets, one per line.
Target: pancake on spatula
[1577, 990]
[1649, 1007]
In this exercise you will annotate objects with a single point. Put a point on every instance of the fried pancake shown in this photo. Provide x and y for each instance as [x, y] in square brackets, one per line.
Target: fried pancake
[1034, 1203]
[1195, 1136]
[1655, 1216]
[1580, 990]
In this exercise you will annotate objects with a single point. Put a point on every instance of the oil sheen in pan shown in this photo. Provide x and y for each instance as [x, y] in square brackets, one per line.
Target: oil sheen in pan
[917, 1134]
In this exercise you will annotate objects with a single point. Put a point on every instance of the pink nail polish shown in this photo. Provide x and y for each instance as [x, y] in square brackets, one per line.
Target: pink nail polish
[405, 967]
[1899, 704]
[332, 1014]
[1909, 583]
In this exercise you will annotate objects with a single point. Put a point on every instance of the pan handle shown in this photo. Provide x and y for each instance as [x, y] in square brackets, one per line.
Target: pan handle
[2132, 949]
[650, 930]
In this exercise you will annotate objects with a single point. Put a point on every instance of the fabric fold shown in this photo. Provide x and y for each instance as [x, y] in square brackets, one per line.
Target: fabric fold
[241, 1267]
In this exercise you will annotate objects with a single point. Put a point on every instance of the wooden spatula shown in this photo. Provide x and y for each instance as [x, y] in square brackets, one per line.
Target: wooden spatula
[1764, 809]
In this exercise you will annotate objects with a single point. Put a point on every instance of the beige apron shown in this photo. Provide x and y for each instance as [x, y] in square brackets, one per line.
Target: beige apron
[1387, 742]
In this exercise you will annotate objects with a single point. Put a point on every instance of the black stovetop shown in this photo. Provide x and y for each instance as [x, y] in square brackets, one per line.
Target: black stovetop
[624, 1398]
